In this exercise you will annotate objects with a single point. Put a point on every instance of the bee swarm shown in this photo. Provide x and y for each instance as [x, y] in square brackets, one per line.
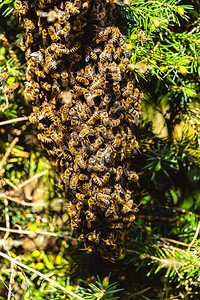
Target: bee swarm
[84, 103]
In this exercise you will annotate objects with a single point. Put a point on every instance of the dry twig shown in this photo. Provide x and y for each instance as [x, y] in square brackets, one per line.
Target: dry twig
[7, 221]
[13, 121]
[19, 231]
[195, 237]
[11, 279]
[3, 161]
[21, 202]
[31, 179]
[54, 283]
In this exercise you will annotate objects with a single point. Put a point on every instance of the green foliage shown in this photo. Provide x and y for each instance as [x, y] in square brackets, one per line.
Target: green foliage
[102, 290]
[7, 6]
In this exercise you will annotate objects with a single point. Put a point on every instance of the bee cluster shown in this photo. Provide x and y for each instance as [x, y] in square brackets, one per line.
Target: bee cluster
[85, 103]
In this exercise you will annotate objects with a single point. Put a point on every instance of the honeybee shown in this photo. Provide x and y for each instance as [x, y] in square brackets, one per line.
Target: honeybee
[137, 94]
[89, 72]
[29, 38]
[70, 7]
[121, 42]
[56, 88]
[89, 99]
[127, 104]
[116, 90]
[43, 138]
[21, 8]
[127, 207]
[74, 121]
[82, 80]
[50, 64]
[129, 219]
[86, 190]
[108, 52]
[40, 73]
[117, 225]
[72, 80]
[97, 83]
[84, 111]
[106, 178]
[129, 133]
[97, 180]
[133, 176]
[115, 123]
[65, 31]
[90, 217]
[83, 177]
[81, 162]
[103, 197]
[46, 86]
[130, 147]
[110, 239]
[99, 168]
[93, 237]
[111, 214]
[75, 223]
[108, 31]
[79, 90]
[98, 93]
[119, 173]
[74, 182]
[111, 209]
[37, 56]
[104, 118]
[62, 51]
[97, 50]
[94, 118]
[103, 56]
[72, 210]
[33, 119]
[99, 30]
[58, 139]
[87, 130]
[116, 2]
[88, 249]
[119, 189]
[52, 33]
[55, 76]
[29, 25]
[44, 36]
[90, 54]
[117, 53]
[75, 47]
[109, 154]
[102, 13]
[80, 197]
[64, 79]
[72, 149]
[93, 55]
[128, 90]
[106, 101]
[117, 141]
[115, 34]
[142, 37]
[51, 48]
